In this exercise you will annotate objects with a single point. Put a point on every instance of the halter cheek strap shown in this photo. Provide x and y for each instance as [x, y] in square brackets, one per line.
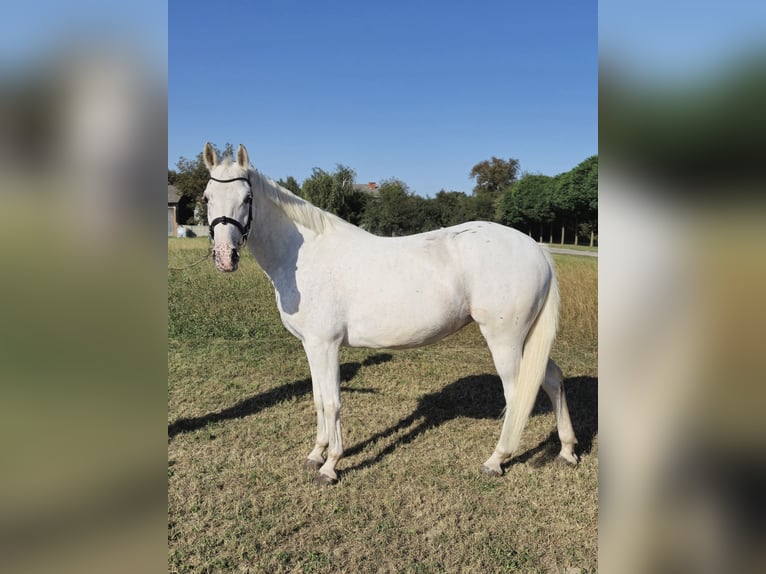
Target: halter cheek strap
[243, 229]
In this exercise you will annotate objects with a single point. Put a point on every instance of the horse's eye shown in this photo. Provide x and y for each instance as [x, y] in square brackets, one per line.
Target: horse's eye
[204, 199]
[249, 198]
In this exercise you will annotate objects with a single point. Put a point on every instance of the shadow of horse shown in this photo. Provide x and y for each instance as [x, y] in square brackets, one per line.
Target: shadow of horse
[272, 397]
[481, 397]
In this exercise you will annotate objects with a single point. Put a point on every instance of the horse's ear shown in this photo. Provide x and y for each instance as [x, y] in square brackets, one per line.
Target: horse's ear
[208, 154]
[242, 158]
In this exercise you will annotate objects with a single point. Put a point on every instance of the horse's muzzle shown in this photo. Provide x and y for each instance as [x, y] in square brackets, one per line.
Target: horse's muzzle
[226, 258]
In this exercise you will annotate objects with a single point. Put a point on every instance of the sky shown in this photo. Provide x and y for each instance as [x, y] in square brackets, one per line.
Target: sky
[414, 90]
[692, 39]
[35, 31]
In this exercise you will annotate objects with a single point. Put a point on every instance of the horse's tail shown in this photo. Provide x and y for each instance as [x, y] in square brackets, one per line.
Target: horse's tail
[534, 360]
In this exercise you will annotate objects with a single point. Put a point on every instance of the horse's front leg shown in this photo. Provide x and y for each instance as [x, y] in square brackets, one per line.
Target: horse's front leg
[315, 459]
[325, 377]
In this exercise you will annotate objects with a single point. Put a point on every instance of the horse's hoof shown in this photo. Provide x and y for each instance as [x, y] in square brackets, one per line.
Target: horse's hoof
[565, 461]
[490, 471]
[324, 480]
[312, 465]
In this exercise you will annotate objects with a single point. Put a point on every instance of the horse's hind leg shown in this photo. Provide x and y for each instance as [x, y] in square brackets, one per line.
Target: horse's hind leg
[506, 354]
[553, 385]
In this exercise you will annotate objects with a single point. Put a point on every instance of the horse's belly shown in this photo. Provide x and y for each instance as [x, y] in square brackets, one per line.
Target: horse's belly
[404, 327]
[398, 338]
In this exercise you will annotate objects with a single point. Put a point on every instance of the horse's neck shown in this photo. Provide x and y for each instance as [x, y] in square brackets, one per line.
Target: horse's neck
[275, 239]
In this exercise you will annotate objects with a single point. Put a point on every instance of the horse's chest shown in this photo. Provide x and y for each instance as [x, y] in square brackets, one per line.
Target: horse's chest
[306, 309]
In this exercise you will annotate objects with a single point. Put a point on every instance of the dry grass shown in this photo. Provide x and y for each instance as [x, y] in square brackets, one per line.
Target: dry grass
[417, 427]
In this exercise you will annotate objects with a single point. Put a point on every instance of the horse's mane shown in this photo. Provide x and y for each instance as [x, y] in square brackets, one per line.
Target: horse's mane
[296, 208]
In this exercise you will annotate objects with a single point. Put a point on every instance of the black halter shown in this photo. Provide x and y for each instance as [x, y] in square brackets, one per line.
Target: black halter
[243, 229]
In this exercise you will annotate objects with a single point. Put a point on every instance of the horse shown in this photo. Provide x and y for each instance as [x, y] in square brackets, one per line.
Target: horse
[338, 285]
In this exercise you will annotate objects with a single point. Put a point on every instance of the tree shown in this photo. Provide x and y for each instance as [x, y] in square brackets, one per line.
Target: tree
[482, 207]
[493, 176]
[453, 207]
[575, 199]
[426, 215]
[389, 213]
[335, 193]
[533, 198]
[528, 204]
[507, 212]
[290, 183]
[191, 180]
[172, 176]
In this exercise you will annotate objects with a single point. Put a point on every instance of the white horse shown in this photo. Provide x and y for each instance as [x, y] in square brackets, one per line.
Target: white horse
[338, 285]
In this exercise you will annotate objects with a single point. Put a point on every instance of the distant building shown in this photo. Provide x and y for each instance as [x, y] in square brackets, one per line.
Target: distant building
[173, 198]
[370, 188]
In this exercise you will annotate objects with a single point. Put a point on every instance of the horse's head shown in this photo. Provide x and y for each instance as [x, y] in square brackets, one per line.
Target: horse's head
[229, 200]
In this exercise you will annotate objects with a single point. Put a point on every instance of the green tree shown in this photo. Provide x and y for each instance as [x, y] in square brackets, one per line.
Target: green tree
[575, 199]
[191, 180]
[533, 197]
[426, 214]
[172, 176]
[291, 184]
[391, 212]
[482, 207]
[395, 210]
[493, 176]
[453, 207]
[508, 212]
[335, 193]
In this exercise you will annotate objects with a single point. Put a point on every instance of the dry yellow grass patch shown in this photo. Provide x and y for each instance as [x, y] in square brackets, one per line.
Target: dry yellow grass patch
[417, 427]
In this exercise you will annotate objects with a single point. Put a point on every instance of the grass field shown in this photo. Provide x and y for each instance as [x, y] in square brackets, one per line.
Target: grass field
[417, 426]
[574, 247]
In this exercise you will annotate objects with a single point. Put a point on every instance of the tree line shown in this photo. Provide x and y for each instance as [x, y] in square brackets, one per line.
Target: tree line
[556, 209]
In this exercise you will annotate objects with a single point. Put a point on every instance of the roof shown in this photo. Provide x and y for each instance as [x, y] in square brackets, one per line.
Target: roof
[370, 188]
[173, 195]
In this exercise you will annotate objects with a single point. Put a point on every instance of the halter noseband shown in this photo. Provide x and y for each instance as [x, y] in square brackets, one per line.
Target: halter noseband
[243, 229]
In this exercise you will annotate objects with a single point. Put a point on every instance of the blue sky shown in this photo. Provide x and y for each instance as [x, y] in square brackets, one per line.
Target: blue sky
[34, 31]
[661, 41]
[416, 90]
